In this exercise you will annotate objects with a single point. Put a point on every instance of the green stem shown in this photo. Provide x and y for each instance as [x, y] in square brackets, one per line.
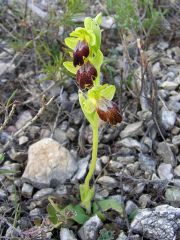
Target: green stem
[94, 155]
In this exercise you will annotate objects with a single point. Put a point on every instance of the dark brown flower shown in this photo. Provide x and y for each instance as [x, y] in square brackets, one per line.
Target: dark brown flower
[85, 75]
[81, 50]
[108, 111]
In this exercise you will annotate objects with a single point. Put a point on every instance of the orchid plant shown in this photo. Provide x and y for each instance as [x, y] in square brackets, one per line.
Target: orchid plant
[95, 99]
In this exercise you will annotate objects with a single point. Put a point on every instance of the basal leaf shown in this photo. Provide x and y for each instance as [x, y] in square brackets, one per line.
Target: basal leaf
[75, 213]
[104, 205]
[52, 214]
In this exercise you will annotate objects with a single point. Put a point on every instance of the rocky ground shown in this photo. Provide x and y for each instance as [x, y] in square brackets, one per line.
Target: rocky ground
[47, 147]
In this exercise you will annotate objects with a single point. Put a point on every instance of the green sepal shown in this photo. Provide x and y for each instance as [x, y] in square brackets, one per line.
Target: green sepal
[98, 19]
[71, 42]
[108, 91]
[102, 91]
[70, 67]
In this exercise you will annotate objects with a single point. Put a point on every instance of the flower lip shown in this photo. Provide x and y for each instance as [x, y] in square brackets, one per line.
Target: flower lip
[81, 50]
[85, 75]
[108, 111]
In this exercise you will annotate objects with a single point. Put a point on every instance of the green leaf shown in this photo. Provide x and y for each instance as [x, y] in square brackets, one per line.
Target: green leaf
[6, 171]
[77, 213]
[98, 19]
[104, 205]
[108, 91]
[70, 67]
[52, 214]
[1, 157]
[71, 42]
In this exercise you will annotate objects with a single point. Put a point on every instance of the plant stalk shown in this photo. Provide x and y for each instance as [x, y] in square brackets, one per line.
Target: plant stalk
[94, 155]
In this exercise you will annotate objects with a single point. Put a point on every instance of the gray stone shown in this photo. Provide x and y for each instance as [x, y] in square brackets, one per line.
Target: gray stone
[27, 190]
[147, 163]
[168, 118]
[49, 164]
[23, 118]
[108, 182]
[98, 166]
[165, 171]
[60, 136]
[82, 168]
[66, 234]
[176, 140]
[71, 133]
[3, 194]
[104, 159]
[177, 171]
[144, 200]
[166, 154]
[19, 157]
[61, 191]
[122, 236]
[126, 159]
[54, 90]
[90, 228]
[23, 139]
[73, 97]
[173, 194]
[159, 223]
[101, 195]
[133, 129]
[35, 213]
[156, 69]
[108, 22]
[6, 67]
[174, 106]
[115, 164]
[131, 207]
[43, 193]
[130, 143]
[168, 85]
[163, 45]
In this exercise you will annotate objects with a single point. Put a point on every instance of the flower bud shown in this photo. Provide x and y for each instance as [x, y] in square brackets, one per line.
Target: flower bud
[81, 50]
[85, 75]
[108, 111]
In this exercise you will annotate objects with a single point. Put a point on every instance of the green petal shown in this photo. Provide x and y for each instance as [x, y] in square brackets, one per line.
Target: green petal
[78, 32]
[71, 42]
[108, 91]
[70, 67]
